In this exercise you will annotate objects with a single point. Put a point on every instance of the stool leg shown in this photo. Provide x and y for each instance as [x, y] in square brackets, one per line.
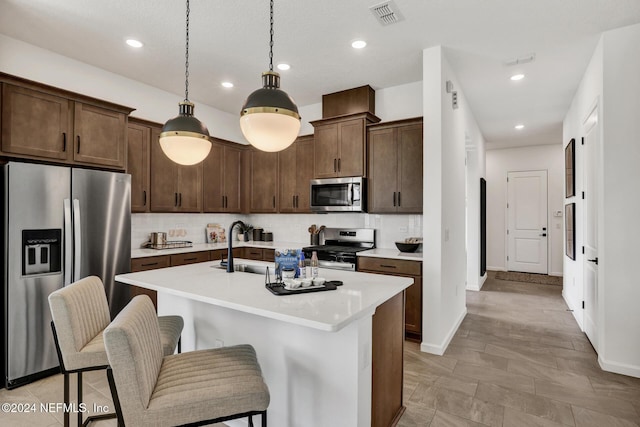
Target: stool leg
[79, 398]
[180, 345]
[264, 419]
[250, 420]
[66, 399]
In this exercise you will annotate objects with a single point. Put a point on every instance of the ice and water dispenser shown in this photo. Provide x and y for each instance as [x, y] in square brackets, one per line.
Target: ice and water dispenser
[41, 251]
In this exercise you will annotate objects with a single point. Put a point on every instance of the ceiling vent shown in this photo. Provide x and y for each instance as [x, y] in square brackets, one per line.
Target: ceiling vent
[521, 59]
[386, 13]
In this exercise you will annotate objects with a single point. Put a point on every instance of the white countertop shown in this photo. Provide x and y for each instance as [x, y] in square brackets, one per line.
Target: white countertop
[245, 292]
[197, 247]
[391, 253]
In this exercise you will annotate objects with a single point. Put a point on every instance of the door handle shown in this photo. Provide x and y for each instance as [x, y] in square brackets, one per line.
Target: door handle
[77, 240]
[394, 198]
[399, 202]
[335, 165]
[144, 194]
[64, 141]
[595, 260]
[68, 242]
[180, 200]
[339, 165]
[78, 147]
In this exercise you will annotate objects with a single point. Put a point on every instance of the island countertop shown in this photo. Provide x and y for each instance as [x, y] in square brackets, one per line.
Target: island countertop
[246, 292]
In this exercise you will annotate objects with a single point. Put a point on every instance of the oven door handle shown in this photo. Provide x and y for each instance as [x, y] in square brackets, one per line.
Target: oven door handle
[337, 265]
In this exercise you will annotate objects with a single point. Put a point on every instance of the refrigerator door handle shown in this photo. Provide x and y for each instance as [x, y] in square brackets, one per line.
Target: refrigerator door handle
[68, 244]
[77, 245]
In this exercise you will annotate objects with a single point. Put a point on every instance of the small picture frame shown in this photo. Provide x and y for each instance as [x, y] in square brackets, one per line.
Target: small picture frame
[570, 230]
[569, 167]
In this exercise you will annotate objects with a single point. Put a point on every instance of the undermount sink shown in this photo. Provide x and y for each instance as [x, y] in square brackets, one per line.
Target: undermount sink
[245, 268]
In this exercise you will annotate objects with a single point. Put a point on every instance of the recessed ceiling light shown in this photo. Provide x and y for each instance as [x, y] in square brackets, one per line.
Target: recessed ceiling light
[134, 43]
[358, 44]
[518, 127]
[227, 84]
[283, 66]
[517, 77]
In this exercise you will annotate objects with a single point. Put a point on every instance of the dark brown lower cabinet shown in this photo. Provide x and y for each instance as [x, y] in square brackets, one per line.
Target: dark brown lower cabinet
[144, 264]
[413, 294]
[387, 363]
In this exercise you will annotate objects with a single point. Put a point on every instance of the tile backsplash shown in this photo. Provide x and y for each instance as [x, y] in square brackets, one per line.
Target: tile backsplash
[285, 227]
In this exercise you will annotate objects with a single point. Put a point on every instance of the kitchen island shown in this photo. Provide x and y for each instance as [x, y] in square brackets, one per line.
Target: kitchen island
[329, 358]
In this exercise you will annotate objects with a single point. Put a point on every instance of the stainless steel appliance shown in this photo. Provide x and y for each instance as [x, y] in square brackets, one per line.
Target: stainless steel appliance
[339, 195]
[59, 224]
[339, 247]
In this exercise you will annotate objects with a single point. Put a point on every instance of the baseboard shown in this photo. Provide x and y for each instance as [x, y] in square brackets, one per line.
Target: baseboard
[556, 274]
[572, 309]
[619, 368]
[439, 349]
[483, 279]
[496, 268]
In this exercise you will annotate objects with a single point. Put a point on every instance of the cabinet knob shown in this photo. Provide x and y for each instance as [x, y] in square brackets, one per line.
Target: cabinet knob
[64, 142]
[78, 146]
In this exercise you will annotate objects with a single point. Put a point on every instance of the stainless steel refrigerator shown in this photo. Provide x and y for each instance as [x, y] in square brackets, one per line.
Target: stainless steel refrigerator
[59, 225]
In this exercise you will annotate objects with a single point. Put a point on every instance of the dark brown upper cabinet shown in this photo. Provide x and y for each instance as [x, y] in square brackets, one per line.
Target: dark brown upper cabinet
[44, 123]
[222, 175]
[295, 169]
[395, 167]
[339, 145]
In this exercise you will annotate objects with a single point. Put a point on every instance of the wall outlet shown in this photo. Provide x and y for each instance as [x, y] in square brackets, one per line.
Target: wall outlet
[219, 343]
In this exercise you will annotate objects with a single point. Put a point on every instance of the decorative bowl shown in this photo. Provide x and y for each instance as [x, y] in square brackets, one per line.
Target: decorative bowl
[407, 247]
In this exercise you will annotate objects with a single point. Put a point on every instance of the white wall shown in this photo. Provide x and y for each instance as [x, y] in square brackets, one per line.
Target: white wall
[588, 95]
[611, 82]
[445, 262]
[33, 63]
[501, 161]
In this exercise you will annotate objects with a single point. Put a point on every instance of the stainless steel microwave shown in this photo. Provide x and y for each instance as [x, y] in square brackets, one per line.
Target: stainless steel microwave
[339, 195]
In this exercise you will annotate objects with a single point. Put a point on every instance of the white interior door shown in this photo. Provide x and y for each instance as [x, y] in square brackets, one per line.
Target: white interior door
[590, 233]
[527, 221]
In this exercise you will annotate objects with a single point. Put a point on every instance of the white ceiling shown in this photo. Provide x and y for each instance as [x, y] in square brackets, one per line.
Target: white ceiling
[229, 41]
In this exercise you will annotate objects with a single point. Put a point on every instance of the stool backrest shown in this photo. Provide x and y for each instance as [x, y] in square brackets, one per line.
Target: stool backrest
[135, 354]
[80, 311]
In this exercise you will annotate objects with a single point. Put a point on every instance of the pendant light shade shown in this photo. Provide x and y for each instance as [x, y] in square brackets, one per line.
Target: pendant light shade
[269, 119]
[185, 139]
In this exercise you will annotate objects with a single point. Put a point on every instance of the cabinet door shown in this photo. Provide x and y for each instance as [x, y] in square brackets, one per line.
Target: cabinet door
[351, 152]
[304, 174]
[287, 171]
[164, 178]
[325, 151]
[213, 174]
[138, 160]
[190, 188]
[264, 178]
[99, 136]
[410, 169]
[413, 308]
[253, 253]
[232, 178]
[35, 123]
[383, 171]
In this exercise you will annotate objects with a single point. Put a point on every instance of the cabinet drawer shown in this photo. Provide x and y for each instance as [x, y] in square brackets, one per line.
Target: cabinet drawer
[189, 258]
[150, 263]
[391, 266]
[253, 253]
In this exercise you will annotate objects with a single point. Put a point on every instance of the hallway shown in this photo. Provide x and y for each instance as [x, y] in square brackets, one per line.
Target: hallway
[518, 359]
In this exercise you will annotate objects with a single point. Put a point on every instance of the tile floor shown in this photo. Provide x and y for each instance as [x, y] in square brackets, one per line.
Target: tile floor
[517, 360]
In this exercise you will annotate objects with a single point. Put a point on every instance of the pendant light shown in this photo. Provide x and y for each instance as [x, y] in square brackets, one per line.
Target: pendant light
[269, 118]
[185, 139]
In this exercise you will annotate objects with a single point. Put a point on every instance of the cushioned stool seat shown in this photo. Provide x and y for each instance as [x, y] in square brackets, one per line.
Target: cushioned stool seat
[150, 389]
[80, 313]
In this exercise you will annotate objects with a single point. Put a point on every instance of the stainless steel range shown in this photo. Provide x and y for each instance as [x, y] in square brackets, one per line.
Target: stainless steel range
[340, 246]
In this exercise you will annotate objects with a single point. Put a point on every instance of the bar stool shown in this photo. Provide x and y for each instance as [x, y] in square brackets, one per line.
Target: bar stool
[80, 313]
[193, 388]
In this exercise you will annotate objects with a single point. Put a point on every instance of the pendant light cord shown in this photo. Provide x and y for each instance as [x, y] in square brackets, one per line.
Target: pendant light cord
[186, 61]
[271, 39]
